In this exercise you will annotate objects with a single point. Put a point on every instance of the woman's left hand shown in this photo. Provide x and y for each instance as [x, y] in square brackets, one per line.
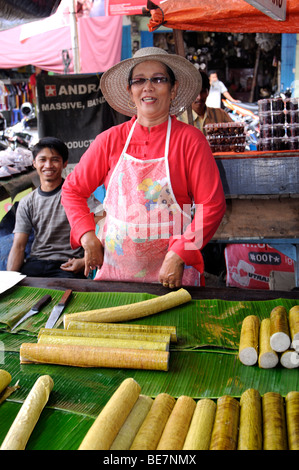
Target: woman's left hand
[171, 271]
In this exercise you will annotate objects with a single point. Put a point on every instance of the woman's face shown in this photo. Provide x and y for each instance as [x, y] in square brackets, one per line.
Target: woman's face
[152, 100]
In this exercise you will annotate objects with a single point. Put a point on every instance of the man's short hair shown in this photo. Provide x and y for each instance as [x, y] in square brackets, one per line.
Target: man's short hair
[52, 143]
[205, 81]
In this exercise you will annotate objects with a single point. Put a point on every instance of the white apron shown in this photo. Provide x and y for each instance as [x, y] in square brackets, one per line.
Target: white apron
[142, 214]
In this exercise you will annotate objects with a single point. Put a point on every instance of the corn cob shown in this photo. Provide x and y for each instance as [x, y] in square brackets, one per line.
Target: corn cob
[292, 416]
[151, 429]
[250, 426]
[128, 431]
[225, 430]
[107, 425]
[129, 312]
[25, 421]
[104, 342]
[267, 357]
[274, 424]
[279, 329]
[93, 356]
[177, 426]
[200, 430]
[248, 348]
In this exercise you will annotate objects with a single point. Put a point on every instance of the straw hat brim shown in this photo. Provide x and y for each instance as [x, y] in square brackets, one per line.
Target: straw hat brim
[114, 81]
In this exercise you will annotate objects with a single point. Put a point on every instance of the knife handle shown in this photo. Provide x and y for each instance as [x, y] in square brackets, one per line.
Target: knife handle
[43, 301]
[65, 298]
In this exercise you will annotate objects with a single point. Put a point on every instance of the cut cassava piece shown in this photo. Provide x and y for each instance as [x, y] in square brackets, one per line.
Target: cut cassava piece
[289, 359]
[25, 421]
[152, 427]
[294, 326]
[249, 340]
[128, 431]
[225, 430]
[123, 327]
[267, 357]
[5, 379]
[292, 417]
[250, 426]
[110, 420]
[274, 423]
[176, 429]
[115, 343]
[200, 430]
[132, 311]
[279, 329]
[90, 333]
[93, 356]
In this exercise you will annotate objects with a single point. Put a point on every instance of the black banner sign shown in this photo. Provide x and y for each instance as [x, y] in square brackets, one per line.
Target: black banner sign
[73, 109]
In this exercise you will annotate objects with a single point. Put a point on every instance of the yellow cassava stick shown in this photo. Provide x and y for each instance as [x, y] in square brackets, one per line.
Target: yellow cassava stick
[289, 359]
[225, 430]
[250, 425]
[274, 424]
[93, 356]
[123, 327]
[267, 357]
[107, 425]
[279, 329]
[292, 416]
[115, 343]
[151, 429]
[25, 421]
[90, 333]
[132, 311]
[5, 379]
[294, 326]
[128, 431]
[249, 338]
[200, 431]
[176, 429]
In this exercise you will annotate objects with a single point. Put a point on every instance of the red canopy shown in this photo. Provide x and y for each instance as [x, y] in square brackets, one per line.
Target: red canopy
[235, 16]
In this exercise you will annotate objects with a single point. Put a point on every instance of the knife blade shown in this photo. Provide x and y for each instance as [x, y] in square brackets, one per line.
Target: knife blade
[35, 309]
[57, 310]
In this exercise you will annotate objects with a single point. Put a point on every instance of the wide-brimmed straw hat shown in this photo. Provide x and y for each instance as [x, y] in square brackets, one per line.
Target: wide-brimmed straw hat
[114, 81]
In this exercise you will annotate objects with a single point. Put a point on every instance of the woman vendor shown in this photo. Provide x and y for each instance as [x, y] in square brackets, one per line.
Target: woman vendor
[164, 198]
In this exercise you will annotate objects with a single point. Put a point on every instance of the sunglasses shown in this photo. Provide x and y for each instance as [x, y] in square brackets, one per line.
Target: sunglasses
[154, 80]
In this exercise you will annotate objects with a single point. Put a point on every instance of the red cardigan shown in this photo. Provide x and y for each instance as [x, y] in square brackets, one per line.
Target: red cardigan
[193, 172]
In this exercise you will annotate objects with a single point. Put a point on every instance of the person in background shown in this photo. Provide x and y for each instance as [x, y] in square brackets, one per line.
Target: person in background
[51, 254]
[154, 168]
[201, 114]
[217, 89]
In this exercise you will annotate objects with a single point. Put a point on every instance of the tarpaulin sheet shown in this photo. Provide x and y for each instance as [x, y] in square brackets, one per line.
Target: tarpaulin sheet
[99, 45]
[221, 16]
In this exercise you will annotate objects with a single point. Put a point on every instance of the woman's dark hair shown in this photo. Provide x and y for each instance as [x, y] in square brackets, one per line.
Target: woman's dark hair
[51, 143]
[168, 70]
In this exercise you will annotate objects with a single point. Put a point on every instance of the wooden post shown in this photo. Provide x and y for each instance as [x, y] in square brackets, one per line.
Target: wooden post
[180, 50]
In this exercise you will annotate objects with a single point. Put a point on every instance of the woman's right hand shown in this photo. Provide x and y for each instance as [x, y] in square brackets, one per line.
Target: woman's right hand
[93, 251]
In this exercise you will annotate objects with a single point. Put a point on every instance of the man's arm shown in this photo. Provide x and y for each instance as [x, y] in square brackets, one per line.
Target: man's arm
[17, 253]
[228, 96]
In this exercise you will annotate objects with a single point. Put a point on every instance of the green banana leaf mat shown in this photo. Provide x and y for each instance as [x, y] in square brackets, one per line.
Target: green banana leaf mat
[204, 362]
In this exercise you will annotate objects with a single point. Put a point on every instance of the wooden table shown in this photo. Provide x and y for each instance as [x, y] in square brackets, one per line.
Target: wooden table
[262, 196]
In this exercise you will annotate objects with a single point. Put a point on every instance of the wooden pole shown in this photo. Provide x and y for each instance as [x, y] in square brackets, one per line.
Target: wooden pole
[74, 36]
[180, 50]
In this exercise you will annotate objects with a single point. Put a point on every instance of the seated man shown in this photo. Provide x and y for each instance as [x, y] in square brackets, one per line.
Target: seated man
[51, 253]
[201, 114]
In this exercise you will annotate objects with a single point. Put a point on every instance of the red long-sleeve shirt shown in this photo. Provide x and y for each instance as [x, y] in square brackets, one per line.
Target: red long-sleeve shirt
[193, 173]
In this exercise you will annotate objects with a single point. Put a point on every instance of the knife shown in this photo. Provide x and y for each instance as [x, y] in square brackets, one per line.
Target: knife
[35, 309]
[57, 310]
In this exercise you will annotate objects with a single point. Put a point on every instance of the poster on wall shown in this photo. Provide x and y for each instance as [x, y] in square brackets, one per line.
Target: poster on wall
[73, 109]
[132, 7]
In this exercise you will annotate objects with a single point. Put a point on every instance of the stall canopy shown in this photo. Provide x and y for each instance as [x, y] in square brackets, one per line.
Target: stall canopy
[220, 16]
[41, 43]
